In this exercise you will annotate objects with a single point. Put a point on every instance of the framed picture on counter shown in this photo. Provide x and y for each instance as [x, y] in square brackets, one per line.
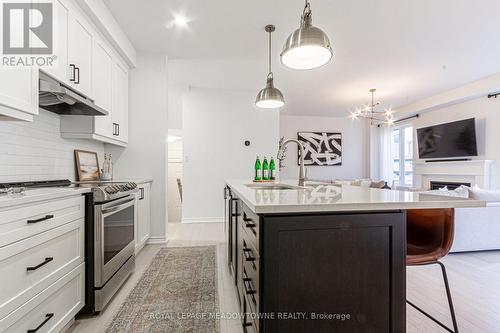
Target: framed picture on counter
[321, 148]
[87, 165]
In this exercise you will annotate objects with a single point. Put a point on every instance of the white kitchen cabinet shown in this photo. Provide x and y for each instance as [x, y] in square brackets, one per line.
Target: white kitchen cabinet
[59, 69]
[18, 93]
[80, 54]
[120, 103]
[102, 69]
[42, 263]
[110, 88]
[142, 227]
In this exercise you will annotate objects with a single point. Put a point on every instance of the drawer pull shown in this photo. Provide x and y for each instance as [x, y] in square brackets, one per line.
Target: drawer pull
[45, 262]
[48, 316]
[247, 282]
[41, 219]
[248, 254]
[249, 223]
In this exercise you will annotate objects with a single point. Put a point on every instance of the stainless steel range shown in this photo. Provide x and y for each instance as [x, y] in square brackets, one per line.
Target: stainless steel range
[113, 245]
[110, 214]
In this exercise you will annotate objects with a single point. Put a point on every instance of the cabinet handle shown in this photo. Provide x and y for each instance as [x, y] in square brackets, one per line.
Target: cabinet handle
[249, 223]
[48, 316]
[249, 290]
[115, 132]
[73, 75]
[248, 254]
[45, 262]
[41, 219]
[141, 190]
[77, 74]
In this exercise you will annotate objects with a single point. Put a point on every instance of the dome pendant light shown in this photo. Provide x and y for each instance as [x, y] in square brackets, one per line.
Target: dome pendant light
[307, 47]
[270, 97]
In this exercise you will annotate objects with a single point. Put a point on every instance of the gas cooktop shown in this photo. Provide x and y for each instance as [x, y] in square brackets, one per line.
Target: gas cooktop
[102, 190]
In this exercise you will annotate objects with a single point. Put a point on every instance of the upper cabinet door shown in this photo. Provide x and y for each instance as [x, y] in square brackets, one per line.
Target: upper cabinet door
[80, 55]
[18, 92]
[102, 73]
[120, 102]
[59, 69]
[18, 83]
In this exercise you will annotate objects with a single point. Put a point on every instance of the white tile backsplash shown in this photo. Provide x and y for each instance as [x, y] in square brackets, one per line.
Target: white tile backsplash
[36, 151]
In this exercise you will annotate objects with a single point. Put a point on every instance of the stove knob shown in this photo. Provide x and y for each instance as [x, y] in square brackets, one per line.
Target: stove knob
[109, 190]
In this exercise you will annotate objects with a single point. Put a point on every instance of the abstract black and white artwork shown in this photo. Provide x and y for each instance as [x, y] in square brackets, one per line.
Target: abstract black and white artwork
[321, 148]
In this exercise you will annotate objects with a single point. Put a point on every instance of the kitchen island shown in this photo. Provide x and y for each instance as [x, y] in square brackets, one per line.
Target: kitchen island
[321, 258]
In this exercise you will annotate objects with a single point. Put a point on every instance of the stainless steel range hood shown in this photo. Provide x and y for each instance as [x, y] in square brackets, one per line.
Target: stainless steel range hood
[56, 97]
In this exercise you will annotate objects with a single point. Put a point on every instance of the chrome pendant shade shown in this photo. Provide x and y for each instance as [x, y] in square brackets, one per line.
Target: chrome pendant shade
[270, 97]
[307, 47]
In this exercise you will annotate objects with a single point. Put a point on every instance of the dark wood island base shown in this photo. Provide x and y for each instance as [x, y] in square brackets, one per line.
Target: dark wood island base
[318, 272]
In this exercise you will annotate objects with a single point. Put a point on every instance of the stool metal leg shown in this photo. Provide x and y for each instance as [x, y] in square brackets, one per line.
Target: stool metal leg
[450, 303]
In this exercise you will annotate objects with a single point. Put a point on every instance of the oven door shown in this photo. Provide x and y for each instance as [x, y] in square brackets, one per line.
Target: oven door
[114, 237]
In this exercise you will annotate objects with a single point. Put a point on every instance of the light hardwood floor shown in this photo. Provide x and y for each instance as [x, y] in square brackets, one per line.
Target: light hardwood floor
[474, 280]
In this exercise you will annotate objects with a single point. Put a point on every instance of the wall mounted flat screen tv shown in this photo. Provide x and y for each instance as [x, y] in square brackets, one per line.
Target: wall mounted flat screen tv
[456, 139]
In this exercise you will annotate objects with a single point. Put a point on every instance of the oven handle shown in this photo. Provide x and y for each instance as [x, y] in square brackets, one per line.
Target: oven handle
[113, 209]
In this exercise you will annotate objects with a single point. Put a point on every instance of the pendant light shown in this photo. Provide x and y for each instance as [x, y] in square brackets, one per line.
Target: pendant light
[270, 97]
[307, 47]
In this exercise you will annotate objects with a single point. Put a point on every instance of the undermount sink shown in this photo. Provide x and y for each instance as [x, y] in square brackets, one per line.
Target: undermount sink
[273, 186]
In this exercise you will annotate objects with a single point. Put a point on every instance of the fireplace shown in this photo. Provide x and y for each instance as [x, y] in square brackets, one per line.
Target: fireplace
[475, 172]
[435, 185]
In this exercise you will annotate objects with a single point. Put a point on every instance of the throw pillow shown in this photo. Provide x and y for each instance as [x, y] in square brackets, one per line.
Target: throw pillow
[485, 195]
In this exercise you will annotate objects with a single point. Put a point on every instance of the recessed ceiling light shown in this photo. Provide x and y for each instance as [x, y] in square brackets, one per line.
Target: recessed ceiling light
[180, 21]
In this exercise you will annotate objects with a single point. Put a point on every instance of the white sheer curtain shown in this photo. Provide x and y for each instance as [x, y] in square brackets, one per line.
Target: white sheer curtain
[386, 157]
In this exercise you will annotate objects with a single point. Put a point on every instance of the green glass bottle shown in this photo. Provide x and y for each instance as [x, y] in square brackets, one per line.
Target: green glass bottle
[258, 169]
[272, 169]
[265, 169]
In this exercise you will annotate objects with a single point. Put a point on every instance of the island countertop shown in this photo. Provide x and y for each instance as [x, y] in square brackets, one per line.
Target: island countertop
[337, 198]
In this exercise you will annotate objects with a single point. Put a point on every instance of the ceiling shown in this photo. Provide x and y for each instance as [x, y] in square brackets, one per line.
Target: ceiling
[408, 50]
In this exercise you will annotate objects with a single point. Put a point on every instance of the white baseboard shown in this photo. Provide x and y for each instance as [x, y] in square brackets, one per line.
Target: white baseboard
[156, 240]
[202, 220]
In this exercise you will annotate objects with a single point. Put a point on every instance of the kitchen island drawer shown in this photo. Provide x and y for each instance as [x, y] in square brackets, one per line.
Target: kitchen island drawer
[250, 319]
[250, 223]
[250, 289]
[52, 309]
[29, 266]
[20, 222]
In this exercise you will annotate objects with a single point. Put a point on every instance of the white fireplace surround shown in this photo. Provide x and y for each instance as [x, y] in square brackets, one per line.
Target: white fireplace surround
[475, 172]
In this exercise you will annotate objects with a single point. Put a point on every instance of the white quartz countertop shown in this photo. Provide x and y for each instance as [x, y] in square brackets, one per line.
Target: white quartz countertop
[332, 198]
[42, 194]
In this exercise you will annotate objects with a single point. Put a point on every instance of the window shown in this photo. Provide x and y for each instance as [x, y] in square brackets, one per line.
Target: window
[402, 151]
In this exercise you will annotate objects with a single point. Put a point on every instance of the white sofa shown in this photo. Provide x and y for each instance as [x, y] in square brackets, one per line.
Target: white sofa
[477, 229]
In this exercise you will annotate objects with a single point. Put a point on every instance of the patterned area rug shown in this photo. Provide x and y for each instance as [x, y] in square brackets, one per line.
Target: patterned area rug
[177, 293]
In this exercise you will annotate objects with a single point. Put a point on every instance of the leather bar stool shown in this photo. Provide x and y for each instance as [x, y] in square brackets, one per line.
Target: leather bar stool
[429, 238]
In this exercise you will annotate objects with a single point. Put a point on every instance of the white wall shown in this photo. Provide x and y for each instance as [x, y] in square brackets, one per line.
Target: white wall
[36, 151]
[215, 125]
[146, 154]
[355, 149]
[487, 114]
